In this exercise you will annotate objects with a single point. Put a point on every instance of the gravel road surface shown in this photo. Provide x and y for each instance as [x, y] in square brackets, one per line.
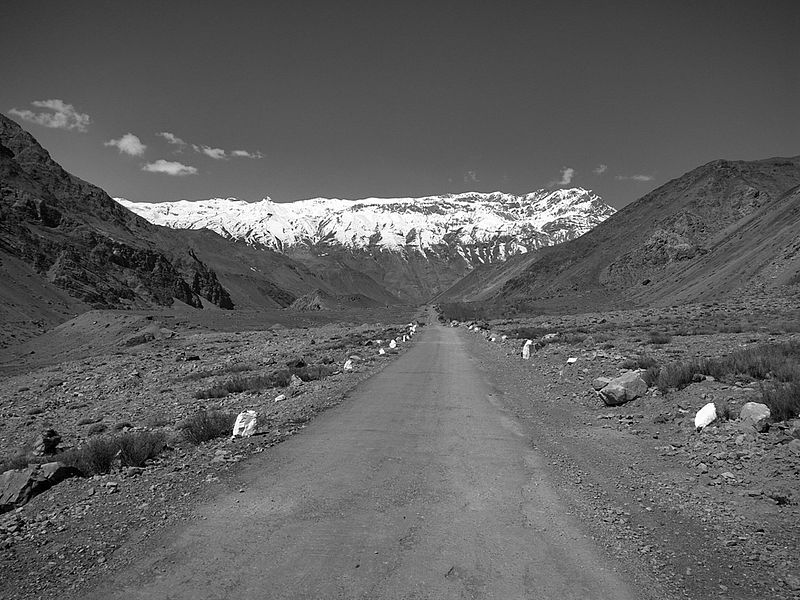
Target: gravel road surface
[422, 485]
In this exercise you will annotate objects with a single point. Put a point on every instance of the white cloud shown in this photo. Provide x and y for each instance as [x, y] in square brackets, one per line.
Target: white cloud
[567, 174]
[215, 153]
[169, 167]
[246, 154]
[600, 169]
[63, 115]
[470, 177]
[635, 177]
[171, 138]
[128, 144]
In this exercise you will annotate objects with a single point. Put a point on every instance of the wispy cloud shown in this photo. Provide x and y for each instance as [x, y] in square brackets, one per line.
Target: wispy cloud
[60, 116]
[635, 177]
[128, 144]
[567, 174]
[246, 154]
[209, 151]
[215, 153]
[600, 169]
[172, 139]
[168, 167]
[471, 177]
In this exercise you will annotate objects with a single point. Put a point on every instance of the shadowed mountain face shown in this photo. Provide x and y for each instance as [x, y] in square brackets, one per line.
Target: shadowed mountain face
[78, 238]
[723, 227]
[70, 236]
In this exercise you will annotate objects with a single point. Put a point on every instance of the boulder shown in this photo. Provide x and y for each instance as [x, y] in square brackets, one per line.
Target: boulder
[622, 389]
[46, 443]
[601, 382]
[526, 349]
[245, 425]
[393, 344]
[348, 365]
[19, 486]
[297, 362]
[705, 416]
[755, 414]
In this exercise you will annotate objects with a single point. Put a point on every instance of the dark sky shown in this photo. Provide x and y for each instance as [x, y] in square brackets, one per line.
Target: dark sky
[351, 99]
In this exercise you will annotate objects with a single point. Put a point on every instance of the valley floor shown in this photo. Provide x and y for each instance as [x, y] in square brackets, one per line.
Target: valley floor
[456, 470]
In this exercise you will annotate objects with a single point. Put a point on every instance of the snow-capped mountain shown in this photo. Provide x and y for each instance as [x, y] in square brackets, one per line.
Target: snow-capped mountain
[480, 227]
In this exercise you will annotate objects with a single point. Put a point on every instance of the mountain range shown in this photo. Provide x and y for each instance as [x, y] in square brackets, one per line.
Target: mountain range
[725, 228]
[414, 247]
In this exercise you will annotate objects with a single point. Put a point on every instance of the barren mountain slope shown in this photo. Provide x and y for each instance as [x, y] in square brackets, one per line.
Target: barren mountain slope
[712, 231]
[75, 238]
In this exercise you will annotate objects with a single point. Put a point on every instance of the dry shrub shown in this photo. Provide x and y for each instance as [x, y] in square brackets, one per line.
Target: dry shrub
[137, 447]
[207, 425]
[98, 455]
[660, 338]
[220, 370]
[279, 378]
[783, 399]
[18, 460]
[776, 361]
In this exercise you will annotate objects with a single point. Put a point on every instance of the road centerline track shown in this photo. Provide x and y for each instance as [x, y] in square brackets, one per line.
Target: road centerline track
[420, 486]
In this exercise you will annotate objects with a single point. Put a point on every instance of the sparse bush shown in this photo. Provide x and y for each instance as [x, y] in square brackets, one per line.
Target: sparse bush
[650, 376]
[643, 361]
[660, 338]
[220, 370]
[783, 399]
[777, 361]
[95, 457]
[97, 429]
[98, 455]
[17, 460]
[136, 447]
[312, 372]
[207, 425]
[725, 412]
[279, 378]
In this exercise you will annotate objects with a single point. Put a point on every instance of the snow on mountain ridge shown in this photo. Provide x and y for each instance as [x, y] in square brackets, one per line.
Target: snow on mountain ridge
[471, 221]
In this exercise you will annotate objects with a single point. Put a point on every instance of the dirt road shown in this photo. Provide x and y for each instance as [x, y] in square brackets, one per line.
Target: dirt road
[422, 485]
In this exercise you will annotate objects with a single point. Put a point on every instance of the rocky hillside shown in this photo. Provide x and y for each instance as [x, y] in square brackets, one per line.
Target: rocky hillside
[79, 239]
[722, 228]
[66, 246]
[415, 247]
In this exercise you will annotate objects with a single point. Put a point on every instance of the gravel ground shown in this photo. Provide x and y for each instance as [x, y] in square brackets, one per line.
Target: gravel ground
[66, 536]
[714, 514]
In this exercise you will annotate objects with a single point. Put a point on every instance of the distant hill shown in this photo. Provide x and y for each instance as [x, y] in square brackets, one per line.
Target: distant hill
[320, 300]
[725, 227]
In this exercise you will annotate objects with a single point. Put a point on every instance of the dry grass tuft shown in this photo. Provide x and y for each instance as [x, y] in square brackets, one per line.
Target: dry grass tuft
[207, 425]
[99, 454]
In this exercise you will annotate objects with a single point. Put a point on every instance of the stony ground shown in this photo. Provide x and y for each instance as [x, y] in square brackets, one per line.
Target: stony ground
[714, 513]
[145, 377]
